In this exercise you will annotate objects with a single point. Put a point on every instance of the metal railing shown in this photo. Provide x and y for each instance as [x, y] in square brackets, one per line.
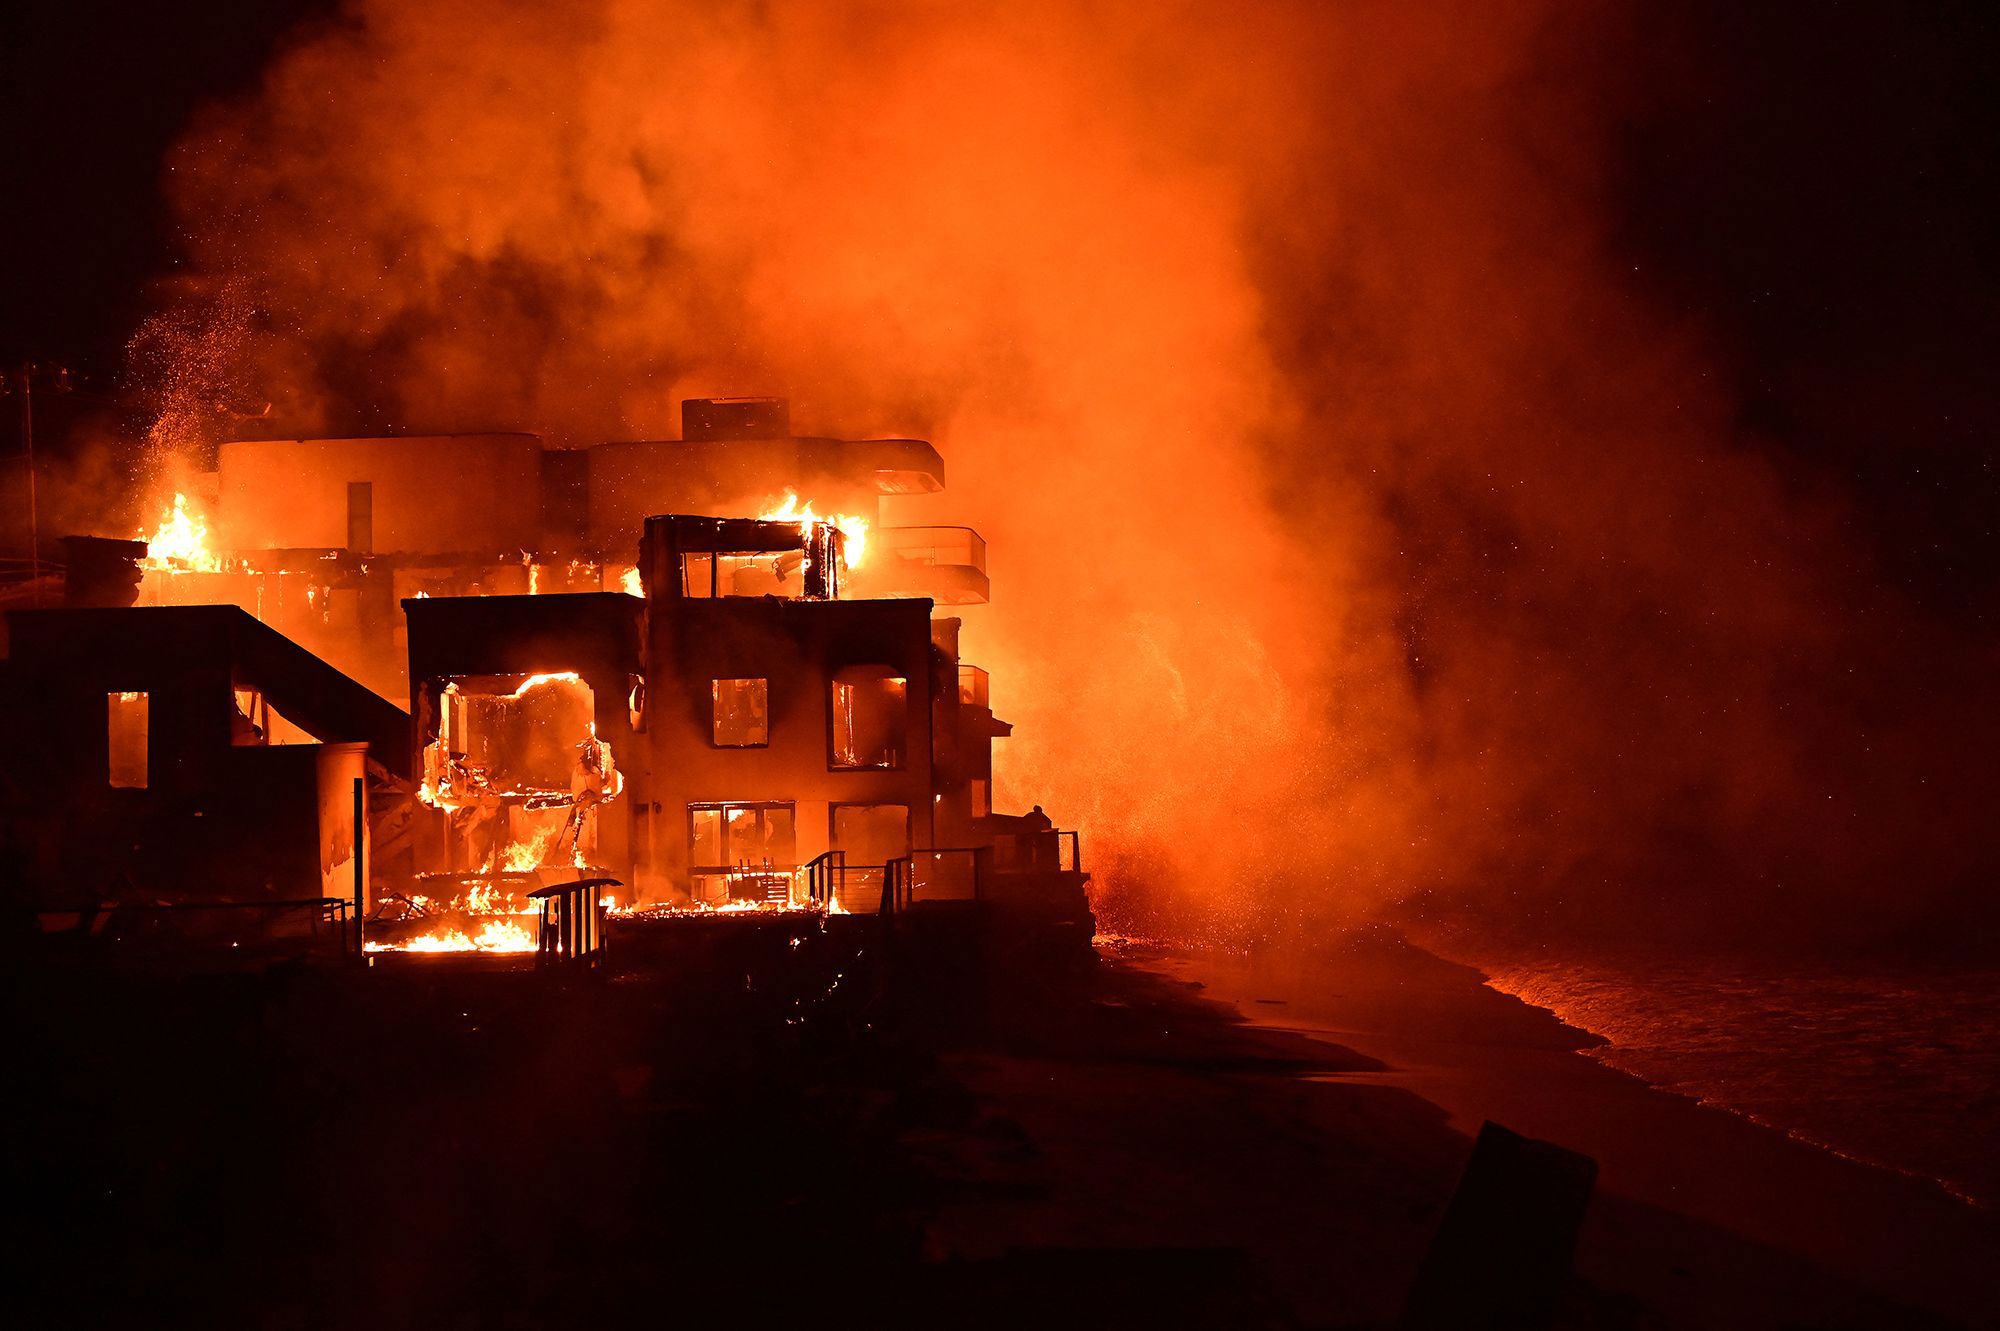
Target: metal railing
[859, 884]
[572, 922]
[936, 545]
[896, 885]
[834, 885]
[174, 923]
[946, 874]
[824, 875]
[950, 873]
[972, 686]
[1029, 852]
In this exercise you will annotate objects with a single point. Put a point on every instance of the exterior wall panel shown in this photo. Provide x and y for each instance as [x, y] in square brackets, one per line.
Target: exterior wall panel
[438, 494]
[798, 646]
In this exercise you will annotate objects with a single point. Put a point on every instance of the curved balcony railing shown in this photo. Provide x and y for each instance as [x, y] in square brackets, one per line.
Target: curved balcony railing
[972, 687]
[901, 466]
[958, 546]
[947, 564]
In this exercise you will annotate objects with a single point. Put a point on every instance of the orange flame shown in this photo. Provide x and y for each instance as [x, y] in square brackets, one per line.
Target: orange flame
[538, 681]
[180, 541]
[853, 528]
[523, 856]
[495, 936]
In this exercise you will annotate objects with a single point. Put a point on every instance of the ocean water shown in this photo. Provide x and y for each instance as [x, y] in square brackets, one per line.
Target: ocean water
[1895, 1065]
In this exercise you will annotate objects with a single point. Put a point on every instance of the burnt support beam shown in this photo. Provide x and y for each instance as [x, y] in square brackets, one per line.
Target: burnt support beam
[360, 863]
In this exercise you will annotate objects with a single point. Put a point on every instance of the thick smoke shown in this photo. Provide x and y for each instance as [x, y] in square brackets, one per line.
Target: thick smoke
[1358, 537]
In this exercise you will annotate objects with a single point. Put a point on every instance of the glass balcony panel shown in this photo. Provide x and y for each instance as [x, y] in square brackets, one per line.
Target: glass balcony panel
[972, 686]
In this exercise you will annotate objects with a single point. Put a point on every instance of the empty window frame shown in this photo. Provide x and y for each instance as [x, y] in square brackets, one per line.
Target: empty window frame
[524, 734]
[870, 721]
[709, 574]
[742, 713]
[128, 718]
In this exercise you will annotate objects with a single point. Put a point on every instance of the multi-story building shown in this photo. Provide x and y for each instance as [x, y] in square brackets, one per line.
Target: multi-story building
[614, 663]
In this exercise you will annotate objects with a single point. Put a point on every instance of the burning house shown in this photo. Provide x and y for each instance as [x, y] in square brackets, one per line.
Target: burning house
[523, 715]
[323, 538]
[651, 666]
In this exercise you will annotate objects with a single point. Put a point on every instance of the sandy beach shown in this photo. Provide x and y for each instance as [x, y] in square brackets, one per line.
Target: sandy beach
[1157, 1140]
[1315, 1117]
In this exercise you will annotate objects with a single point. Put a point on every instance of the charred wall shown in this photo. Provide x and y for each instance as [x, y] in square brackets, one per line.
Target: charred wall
[798, 647]
[200, 812]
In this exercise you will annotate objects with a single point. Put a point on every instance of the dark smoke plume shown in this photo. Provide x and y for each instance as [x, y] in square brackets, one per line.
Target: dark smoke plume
[1359, 534]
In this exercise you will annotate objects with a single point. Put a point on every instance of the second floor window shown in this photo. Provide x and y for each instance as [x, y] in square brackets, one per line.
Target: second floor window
[870, 717]
[742, 713]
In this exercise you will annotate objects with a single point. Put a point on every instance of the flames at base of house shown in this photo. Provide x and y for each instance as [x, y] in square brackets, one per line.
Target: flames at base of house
[482, 915]
[704, 910]
[494, 936]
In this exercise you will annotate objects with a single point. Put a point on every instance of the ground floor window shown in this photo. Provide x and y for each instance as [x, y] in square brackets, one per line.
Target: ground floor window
[722, 837]
[871, 833]
[742, 851]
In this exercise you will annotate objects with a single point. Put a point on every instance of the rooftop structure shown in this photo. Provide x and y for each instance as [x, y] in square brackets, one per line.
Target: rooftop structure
[322, 538]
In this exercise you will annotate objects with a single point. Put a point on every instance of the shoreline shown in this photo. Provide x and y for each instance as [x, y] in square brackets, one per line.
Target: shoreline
[1475, 1052]
[1601, 1054]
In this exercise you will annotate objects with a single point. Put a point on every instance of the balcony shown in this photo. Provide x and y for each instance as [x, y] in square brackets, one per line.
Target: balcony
[947, 564]
[975, 709]
[972, 686]
[901, 466]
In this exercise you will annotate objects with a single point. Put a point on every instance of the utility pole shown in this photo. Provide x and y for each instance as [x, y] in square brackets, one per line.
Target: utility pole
[22, 378]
